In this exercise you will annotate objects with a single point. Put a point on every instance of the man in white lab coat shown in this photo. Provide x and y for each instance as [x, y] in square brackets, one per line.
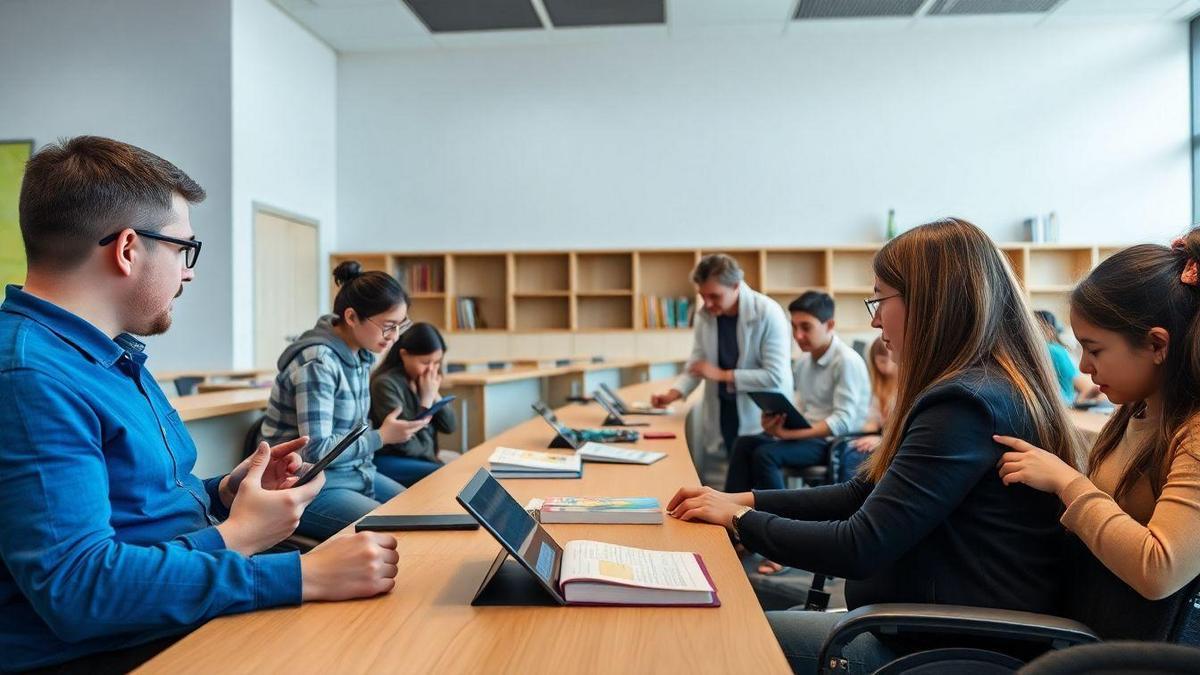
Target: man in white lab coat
[742, 343]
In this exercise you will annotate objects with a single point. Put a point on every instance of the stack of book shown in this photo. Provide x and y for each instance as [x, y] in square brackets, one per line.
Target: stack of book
[602, 510]
[468, 314]
[514, 463]
[421, 277]
[660, 312]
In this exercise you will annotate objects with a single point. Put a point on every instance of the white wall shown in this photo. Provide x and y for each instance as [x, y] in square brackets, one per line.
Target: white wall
[284, 142]
[154, 73]
[803, 139]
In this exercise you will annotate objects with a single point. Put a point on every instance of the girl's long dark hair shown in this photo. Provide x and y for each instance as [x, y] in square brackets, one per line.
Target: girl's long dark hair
[1135, 290]
[420, 339]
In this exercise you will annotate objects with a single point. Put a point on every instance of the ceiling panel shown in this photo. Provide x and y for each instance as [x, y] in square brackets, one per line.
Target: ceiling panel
[1151, 8]
[447, 16]
[970, 7]
[577, 13]
[727, 12]
[849, 9]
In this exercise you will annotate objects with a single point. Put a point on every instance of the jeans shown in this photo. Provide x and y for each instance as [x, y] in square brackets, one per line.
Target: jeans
[757, 462]
[730, 423]
[801, 634]
[405, 470]
[349, 494]
[849, 460]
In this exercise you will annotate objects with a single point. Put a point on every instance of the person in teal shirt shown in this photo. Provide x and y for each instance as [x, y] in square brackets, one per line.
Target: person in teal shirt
[1072, 385]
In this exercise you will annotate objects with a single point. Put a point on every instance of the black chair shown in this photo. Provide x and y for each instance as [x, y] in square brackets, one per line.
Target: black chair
[1118, 658]
[1097, 606]
[186, 386]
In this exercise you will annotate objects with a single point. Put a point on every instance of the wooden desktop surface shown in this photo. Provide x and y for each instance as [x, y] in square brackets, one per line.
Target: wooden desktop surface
[427, 624]
[217, 403]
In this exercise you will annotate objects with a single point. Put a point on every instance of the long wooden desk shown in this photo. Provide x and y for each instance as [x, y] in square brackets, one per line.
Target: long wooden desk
[427, 623]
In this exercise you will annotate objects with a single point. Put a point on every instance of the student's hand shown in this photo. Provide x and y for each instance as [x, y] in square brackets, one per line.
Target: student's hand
[281, 473]
[427, 387]
[1033, 466]
[356, 565]
[773, 424]
[709, 371]
[260, 517]
[396, 430]
[865, 444]
[708, 505]
[664, 400]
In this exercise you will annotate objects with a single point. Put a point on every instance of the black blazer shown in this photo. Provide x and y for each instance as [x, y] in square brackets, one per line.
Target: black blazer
[939, 527]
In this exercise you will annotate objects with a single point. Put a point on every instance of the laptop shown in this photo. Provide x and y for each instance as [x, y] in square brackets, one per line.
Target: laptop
[577, 438]
[626, 409]
[614, 415]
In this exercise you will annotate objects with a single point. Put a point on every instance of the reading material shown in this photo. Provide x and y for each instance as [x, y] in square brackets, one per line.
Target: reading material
[606, 510]
[599, 452]
[514, 463]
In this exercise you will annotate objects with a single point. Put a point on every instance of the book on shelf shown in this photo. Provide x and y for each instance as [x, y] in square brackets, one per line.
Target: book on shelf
[666, 312]
[467, 313]
[514, 463]
[600, 510]
[419, 277]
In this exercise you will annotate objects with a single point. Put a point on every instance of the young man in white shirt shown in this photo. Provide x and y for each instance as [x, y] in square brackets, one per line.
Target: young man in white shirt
[833, 392]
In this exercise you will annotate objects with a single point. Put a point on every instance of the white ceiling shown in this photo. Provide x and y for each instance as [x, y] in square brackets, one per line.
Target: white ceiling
[383, 25]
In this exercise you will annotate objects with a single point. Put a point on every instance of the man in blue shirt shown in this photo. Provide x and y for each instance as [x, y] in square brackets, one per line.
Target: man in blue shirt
[107, 539]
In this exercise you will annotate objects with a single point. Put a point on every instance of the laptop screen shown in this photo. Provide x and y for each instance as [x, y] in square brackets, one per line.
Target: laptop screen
[568, 434]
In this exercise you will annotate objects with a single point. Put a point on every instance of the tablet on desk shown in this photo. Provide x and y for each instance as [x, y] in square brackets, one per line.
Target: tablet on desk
[775, 403]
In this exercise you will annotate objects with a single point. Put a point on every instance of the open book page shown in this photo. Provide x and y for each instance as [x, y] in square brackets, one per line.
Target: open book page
[593, 450]
[594, 560]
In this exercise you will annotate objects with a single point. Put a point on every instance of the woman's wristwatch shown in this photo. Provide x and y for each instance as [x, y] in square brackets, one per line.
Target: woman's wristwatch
[737, 518]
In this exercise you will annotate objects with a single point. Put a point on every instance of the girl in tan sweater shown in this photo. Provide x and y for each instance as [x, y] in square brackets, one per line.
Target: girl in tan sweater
[1138, 507]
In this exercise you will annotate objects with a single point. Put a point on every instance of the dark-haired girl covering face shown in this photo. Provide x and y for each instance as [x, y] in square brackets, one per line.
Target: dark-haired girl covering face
[322, 391]
[1137, 316]
[409, 380]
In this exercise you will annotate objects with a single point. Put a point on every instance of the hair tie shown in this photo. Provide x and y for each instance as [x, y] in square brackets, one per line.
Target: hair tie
[1191, 272]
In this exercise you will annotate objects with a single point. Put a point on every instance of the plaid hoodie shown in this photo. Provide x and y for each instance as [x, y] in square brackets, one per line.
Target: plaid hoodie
[322, 391]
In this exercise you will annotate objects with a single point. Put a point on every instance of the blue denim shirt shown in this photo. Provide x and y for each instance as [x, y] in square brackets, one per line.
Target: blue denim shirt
[106, 537]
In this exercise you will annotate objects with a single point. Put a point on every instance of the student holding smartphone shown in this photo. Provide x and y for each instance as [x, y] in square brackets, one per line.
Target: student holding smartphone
[322, 392]
[110, 547]
[409, 380]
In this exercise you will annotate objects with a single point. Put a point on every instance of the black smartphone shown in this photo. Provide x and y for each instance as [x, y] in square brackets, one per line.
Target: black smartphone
[433, 409]
[338, 449]
[449, 521]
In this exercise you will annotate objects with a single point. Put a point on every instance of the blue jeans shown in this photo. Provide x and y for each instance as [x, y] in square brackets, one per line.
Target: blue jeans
[405, 470]
[849, 460]
[801, 634]
[349, 494]
[757, 462]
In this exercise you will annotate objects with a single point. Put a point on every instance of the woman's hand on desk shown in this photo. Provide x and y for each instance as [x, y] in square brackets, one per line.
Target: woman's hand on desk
[1033, 466]
[261, 517]
[356, 565]
[708, 505]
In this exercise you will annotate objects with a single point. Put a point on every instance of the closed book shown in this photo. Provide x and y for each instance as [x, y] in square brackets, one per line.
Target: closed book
[599, 452]
[609, 510]
[514, 463]
[596, 573]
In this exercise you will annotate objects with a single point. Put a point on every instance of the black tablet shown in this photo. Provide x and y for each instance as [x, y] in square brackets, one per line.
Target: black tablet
[338, 449]
[775, 403]
[433, 409]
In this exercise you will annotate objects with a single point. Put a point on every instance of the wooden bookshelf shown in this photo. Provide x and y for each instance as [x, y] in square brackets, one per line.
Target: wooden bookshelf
[598, 295]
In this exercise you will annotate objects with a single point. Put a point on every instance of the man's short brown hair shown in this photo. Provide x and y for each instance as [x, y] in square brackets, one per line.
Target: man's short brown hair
[80, 190]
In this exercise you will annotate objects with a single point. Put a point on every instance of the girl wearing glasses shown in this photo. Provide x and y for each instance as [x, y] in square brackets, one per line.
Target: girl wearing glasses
[409, 380]
[927, 520]
[322, 391]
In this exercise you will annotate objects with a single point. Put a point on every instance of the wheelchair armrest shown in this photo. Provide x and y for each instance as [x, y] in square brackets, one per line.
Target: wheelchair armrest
[896, 619]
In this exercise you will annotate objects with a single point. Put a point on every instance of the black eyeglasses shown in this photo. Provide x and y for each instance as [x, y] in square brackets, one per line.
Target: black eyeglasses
[873, 304]
[190, 247]
[389, 328]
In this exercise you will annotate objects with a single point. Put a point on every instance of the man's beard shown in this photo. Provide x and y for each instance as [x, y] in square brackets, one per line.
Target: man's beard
[160, 323]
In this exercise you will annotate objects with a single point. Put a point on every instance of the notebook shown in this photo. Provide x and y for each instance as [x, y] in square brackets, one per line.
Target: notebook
[583, 572]
[605, 510]
[513, 463]
[599, 452]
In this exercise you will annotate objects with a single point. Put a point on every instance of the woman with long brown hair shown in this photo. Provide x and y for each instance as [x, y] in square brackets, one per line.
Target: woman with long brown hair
[927, 520]
[1137, 509]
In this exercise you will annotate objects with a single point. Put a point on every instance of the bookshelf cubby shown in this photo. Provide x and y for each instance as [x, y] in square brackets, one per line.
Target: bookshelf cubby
[601, 293]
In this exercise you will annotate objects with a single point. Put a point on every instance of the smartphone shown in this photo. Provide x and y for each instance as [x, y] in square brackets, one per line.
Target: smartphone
[450, 521]
[433, 409]
[338, 449]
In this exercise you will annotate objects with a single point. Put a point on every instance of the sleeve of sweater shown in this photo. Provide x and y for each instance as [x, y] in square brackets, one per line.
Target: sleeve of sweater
[386, 397]
[827, 502]
[946, 450]
[1155, 559]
